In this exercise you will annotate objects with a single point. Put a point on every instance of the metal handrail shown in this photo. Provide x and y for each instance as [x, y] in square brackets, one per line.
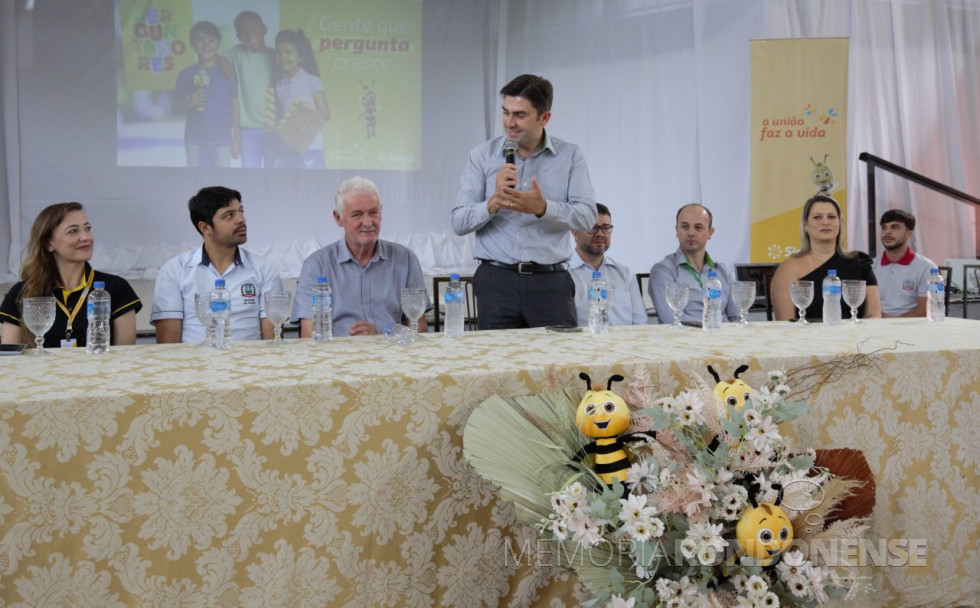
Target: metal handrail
[917, 178]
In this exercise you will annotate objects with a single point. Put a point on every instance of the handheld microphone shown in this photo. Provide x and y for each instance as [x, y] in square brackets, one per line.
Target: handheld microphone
[510, 151]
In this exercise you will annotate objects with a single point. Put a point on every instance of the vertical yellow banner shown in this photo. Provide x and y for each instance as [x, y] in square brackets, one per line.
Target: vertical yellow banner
[799, 137]
[154, 42]
[370, 59]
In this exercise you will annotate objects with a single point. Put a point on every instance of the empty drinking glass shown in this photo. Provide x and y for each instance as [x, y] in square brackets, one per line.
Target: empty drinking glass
[677, 298]
[202, 306]
[743, 292]
[414, 301]
[801, 292]
[39, 317]
[277, 305]
[854, 292]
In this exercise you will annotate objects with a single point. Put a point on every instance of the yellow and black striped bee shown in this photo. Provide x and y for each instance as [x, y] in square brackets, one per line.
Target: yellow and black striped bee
[732, 392]
[604, 416]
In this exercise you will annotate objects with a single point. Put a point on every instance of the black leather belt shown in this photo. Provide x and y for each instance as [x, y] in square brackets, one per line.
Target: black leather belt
[528, 267]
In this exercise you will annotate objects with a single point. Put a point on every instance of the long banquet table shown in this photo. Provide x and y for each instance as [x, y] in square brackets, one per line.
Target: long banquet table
[332, 475]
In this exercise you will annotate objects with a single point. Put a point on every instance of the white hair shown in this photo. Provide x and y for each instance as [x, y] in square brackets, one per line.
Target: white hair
[353, 186]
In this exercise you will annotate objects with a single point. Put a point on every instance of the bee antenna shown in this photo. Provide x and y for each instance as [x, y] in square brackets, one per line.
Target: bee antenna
[741, 368]
[588, 381]
[779, 497]
[714, 374]
[613, 378]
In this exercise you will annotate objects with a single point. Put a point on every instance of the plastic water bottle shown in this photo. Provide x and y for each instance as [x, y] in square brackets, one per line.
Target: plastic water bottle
[713, 305]
[99, 311]
[322, 311]
[598, 305]
[396, 333]
[455, 301]
[936, 296]
[221, 310]
[831, 298]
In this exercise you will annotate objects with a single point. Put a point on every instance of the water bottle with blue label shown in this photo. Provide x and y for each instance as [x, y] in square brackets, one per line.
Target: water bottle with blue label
[936, 296]
[713, 304]
[598, 304]
[221, 310]
[831, 298]
[322, 311]
[99, 311]
[455, 302]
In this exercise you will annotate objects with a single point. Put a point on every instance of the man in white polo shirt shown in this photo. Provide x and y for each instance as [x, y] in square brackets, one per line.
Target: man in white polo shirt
[902, 274]
[219, 217]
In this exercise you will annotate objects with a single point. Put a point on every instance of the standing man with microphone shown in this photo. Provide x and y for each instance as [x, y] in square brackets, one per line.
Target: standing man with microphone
[521, 193]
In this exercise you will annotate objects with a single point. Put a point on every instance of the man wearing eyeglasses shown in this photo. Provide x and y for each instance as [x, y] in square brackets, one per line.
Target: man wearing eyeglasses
[520, 194]
[590, 255]
[689, 265]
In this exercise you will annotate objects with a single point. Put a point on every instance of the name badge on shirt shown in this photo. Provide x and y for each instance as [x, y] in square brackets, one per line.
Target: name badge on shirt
[68, 343]
[250, 294]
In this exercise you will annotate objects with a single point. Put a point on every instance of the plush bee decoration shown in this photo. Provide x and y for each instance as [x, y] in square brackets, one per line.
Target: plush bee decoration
[604, 416]
[732, 392]
[764, 530]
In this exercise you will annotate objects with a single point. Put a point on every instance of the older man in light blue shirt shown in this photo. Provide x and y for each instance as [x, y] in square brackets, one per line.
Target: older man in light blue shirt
[590, 255]
[689, 265]
[366, 273]
[521, 211]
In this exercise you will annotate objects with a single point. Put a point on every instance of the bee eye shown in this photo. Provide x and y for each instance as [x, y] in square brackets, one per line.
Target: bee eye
[609, 407]
[783, 534]
[732, 400]
[590, 409]
[745, 395]
[765, 536]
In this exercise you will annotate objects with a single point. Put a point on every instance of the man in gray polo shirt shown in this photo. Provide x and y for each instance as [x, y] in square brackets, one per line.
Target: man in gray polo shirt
[366, 273]
[902, 273]
[689, 265]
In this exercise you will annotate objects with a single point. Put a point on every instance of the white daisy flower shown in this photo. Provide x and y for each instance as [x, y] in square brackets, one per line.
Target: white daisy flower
[776, 375]
[619, 602]
[634, 508]
[585, 530]
[764, 434]
[756, 586]
[740, 581]
[689, 547]
[799, 586]
[643, 475]
[769, 600]
[559, 529]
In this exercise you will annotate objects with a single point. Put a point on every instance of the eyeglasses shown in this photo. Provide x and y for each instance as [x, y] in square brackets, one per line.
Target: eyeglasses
[605, 228]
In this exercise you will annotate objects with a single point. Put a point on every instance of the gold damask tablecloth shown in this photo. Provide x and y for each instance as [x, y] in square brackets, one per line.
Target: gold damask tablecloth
[332, 475]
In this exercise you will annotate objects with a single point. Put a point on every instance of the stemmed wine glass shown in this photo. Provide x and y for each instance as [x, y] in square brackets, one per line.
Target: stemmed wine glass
[414, 301]
[854, 292]
[277, 311]
[801, 292]
[677, 298]
[202, 306]
[743, 292]
[39, 317]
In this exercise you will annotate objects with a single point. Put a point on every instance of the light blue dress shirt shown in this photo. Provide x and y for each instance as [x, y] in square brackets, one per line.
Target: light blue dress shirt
[628, 307]
[510, 236]
[371, 293]
[675, 269]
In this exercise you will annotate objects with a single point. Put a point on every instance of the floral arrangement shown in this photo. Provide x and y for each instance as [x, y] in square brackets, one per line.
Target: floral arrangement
[689, 522]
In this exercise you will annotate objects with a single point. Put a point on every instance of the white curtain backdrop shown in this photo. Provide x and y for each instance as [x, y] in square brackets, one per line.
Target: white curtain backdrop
[655, 92]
